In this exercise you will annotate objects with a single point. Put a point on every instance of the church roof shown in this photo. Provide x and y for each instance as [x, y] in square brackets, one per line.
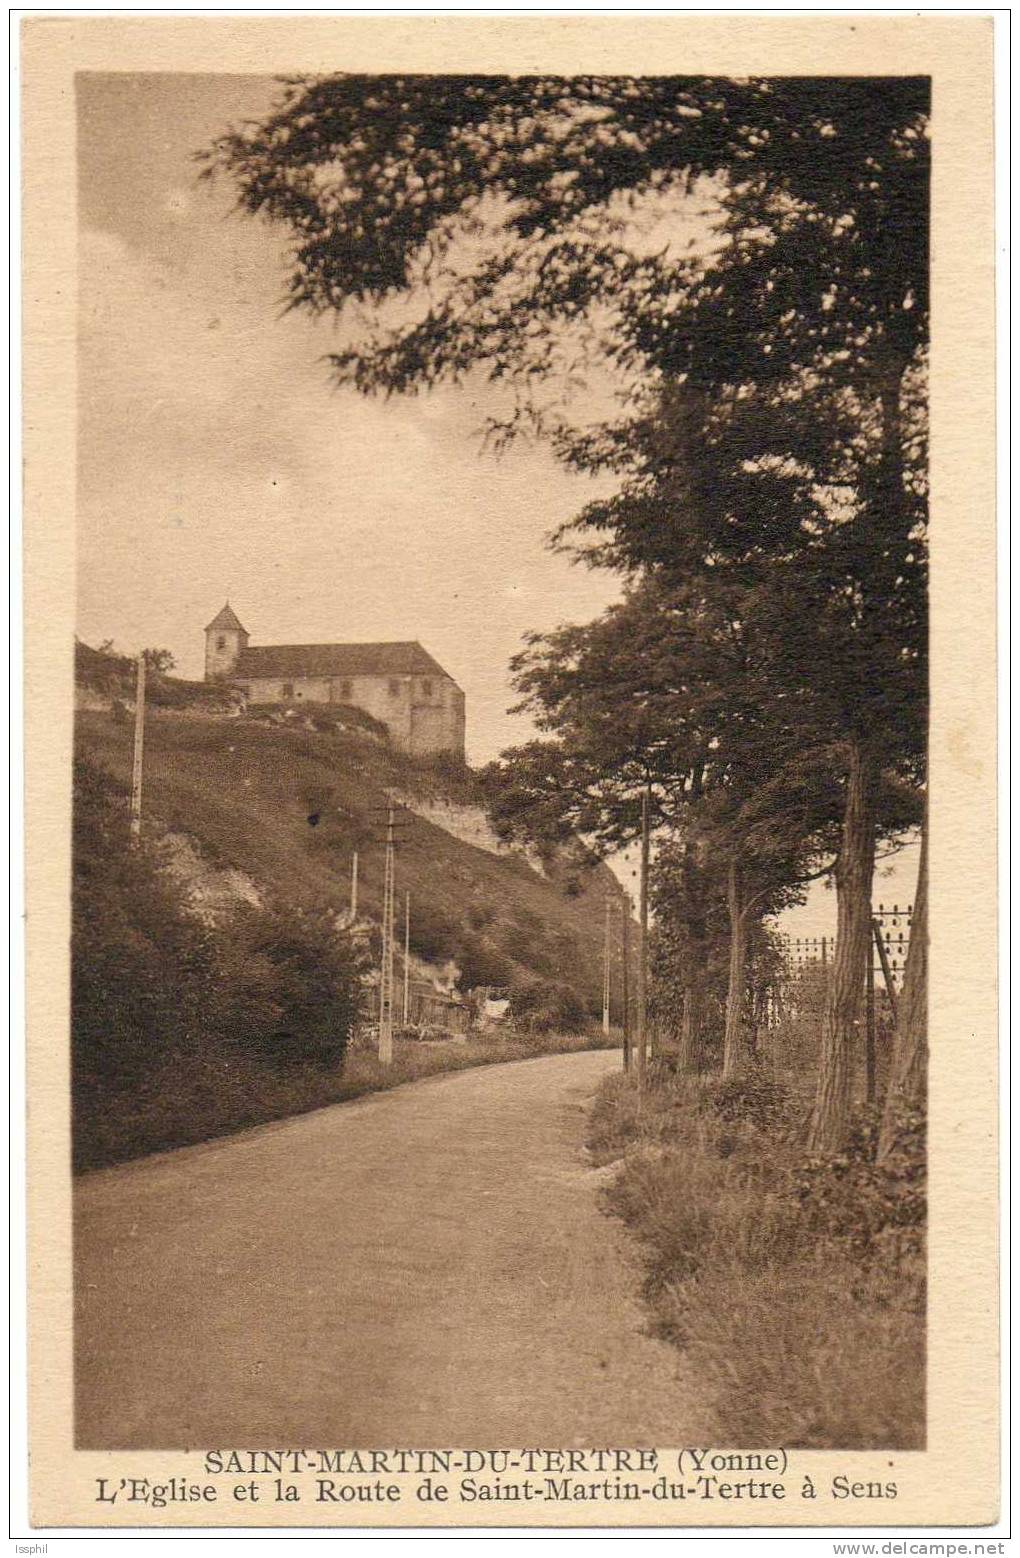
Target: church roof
[290, 660]
[225, 619]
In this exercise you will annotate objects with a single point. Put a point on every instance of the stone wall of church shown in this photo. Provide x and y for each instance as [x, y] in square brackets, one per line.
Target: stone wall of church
[437, 722]
[423, 715]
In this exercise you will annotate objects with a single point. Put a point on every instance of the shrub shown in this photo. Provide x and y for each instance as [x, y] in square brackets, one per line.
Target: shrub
[141, 967]
[481, 963]
[289, 986]
[178, 1027]
[543, 1008]
[751, 1096]
[449, 773]
[795, 1288]
[870, 1205]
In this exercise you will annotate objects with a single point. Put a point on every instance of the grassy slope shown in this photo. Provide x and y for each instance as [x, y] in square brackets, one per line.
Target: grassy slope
[245, 791]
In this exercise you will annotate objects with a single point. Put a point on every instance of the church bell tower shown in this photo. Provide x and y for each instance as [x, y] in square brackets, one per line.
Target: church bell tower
[225, 641]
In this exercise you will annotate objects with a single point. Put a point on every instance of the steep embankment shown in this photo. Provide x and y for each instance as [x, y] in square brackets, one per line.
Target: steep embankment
[284, 807]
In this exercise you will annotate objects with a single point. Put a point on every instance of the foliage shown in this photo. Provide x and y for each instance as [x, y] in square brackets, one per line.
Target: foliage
[142, 968]
[798, 1302]
[299, 983]
[168, 1014]
[817, 190]
[160, 661]
[849, 1195]
[752, 1096]
[113, 676]
[771, 446]
[666, 697]
[545, 1007]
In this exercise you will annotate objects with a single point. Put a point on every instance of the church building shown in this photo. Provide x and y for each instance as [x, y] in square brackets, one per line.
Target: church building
[398, 684]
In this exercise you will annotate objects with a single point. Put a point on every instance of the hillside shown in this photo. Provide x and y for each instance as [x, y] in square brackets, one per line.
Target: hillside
[274, 808]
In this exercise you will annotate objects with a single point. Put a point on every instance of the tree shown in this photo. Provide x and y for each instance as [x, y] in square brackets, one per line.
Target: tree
[613, 699]
[533, 218]
[688, 927]
[820, 189]
[771, 847]
[662, 696]
[769, 491]
[306, 976]
[161, 661]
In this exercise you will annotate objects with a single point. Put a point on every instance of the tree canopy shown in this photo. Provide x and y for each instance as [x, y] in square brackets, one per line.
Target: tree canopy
[489, 196]
[750, 258]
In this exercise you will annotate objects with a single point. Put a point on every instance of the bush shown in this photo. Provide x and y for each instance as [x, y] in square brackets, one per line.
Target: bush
[849, 1196]
[142, 968]
[176, 1026]
[545, 1008]
[481, 963]
[796, 1288]
[449, 774]
[289, 986]
[751, 1096]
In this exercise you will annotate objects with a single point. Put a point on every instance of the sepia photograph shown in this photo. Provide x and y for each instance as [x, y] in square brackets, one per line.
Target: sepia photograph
[499, 820]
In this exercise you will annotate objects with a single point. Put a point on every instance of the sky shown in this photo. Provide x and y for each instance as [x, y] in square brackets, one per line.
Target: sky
[216, 461]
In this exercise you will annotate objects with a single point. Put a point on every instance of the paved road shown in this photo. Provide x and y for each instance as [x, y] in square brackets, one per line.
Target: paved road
[427, 1266]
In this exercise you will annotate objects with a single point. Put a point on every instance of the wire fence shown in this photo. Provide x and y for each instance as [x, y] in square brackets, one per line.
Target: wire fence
[890, 944]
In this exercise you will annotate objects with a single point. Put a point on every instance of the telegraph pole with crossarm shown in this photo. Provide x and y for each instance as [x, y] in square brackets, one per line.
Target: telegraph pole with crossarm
[386, 966]
[407, 958]
[386, 961]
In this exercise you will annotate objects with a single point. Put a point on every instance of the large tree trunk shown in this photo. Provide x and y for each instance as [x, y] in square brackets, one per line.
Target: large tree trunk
[908, 1075]
[689, 1047]
[689, 1052]
[734, 1046]
[854, 870]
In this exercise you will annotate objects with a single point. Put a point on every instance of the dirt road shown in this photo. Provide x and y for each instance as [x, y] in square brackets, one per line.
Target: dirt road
[427, 1266]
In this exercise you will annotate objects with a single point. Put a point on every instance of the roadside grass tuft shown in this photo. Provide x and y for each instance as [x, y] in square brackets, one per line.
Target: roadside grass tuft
[795, 1287]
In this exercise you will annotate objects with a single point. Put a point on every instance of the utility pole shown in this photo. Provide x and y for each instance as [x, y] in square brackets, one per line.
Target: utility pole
[625, 980]
[605, 965]
[136, 775]
[642, 976]
[407, 957]
[354, 887]
[386, 964]
[388, 930]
